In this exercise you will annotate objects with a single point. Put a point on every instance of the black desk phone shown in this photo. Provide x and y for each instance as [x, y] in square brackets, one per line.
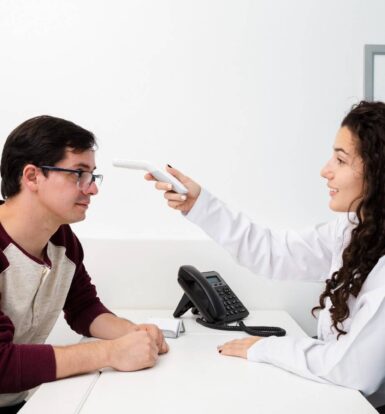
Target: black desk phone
[211, 298]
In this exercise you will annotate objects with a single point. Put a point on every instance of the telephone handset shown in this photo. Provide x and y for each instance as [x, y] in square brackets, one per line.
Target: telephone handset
[209, 296]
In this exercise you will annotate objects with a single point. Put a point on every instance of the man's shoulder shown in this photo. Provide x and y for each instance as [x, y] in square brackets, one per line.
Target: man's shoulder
[4, 263]
[5, 241]
[65, 237]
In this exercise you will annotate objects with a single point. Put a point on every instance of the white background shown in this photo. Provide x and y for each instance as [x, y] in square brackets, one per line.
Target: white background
[244, 96]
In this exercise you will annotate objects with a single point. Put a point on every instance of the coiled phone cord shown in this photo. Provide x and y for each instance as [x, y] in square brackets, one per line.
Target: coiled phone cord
[251, 330]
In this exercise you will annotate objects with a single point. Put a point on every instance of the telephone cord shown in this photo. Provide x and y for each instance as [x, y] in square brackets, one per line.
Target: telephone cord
[263, 331]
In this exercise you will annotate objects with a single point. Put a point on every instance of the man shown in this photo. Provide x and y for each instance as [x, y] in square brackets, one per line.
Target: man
[47, 171]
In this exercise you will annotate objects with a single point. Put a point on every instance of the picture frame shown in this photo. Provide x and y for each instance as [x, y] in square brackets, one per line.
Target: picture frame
[374, 73]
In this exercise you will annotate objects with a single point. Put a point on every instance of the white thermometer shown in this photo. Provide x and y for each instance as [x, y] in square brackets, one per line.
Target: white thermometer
[157, 173]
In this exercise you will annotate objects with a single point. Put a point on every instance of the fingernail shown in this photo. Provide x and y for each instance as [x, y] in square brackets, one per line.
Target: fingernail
[183, 197]
[169, 186]
[168, 165]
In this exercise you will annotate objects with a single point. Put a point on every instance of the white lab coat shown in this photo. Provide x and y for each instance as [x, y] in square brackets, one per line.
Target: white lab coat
[357, 359]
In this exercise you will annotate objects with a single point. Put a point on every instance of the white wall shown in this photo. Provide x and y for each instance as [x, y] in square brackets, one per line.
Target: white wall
[244, 96]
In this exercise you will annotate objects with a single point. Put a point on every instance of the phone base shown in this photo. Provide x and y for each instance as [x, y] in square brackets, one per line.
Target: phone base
[183, 306]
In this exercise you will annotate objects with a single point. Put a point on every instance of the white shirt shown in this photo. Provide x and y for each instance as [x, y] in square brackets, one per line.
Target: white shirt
[357, 359]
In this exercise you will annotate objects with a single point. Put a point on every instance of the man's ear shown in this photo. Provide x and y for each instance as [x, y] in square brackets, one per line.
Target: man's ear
[30, 177]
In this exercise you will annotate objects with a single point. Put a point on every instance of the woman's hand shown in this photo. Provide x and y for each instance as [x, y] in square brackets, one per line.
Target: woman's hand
[182, 202]
[238, 347]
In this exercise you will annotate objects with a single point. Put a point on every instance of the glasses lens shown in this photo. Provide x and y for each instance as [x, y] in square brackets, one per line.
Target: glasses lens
[87, 178]
[98, 179]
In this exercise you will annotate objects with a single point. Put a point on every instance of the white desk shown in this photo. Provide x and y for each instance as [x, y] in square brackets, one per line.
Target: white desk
[194, 378]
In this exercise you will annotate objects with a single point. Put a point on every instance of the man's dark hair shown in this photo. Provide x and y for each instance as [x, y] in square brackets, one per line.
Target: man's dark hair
[42, 140]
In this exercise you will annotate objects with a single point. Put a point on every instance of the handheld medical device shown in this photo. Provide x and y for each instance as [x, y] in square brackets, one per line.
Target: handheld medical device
[157, 173]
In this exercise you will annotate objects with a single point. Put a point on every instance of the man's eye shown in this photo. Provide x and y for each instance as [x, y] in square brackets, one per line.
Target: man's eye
[340, 161]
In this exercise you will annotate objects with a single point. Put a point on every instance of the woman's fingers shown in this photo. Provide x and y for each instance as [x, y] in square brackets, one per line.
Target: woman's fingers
[177, 205]
[238, 347]
[171, 196]
[176, 173]
[181, 202]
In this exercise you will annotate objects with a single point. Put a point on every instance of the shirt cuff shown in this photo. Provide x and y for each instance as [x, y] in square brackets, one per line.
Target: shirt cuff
[257, 352]
[199, 206]
[37, 365]
[83, 321]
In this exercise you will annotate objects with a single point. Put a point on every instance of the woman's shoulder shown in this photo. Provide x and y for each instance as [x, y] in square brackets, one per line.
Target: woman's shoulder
[338, 229]
[344, 224]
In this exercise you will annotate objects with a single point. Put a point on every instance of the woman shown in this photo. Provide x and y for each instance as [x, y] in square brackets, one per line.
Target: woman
[347, 254]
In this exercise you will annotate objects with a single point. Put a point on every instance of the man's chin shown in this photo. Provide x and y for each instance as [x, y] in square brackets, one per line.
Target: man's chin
[76, 219]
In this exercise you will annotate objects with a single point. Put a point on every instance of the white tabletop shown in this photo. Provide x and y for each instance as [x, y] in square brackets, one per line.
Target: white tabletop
[194, 378]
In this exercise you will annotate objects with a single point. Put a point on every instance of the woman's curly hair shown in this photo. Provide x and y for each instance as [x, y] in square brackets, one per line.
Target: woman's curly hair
[366, 121]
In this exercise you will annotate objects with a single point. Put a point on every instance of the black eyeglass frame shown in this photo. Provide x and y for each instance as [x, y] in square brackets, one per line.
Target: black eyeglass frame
[94, 177]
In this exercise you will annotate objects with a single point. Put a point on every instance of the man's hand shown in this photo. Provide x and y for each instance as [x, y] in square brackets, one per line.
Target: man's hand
[238, 347]
[131, 352]
[182, 202]
[156, 334]
[109, 326]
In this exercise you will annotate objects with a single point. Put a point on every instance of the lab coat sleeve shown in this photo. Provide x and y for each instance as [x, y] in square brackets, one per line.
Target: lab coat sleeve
[305, 255]
[356, 360]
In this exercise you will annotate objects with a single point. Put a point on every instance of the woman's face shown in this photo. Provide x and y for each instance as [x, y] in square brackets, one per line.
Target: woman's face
[344, 173]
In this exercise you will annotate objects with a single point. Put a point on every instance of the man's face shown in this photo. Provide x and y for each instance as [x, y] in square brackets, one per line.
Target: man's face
[58, 192]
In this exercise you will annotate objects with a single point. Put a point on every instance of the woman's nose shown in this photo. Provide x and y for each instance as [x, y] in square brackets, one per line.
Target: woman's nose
[326, 171]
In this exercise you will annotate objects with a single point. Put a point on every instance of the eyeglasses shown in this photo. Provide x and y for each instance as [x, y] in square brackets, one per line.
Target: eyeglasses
[85, 178]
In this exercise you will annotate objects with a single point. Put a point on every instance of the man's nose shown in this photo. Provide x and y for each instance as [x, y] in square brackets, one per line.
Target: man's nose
[92, 189]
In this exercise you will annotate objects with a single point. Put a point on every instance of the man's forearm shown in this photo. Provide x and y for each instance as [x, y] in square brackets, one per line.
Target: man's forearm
[87, 357]
[81, 358]
[109, 326]
[130, 352]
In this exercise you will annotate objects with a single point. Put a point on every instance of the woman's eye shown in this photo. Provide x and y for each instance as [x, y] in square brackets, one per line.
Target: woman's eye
[340, 161]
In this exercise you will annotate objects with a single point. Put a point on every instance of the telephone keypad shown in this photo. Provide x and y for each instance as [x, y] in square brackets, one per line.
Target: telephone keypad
[235, 310]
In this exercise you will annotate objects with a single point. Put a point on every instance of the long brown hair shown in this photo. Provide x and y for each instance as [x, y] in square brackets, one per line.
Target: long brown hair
[366, 121]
